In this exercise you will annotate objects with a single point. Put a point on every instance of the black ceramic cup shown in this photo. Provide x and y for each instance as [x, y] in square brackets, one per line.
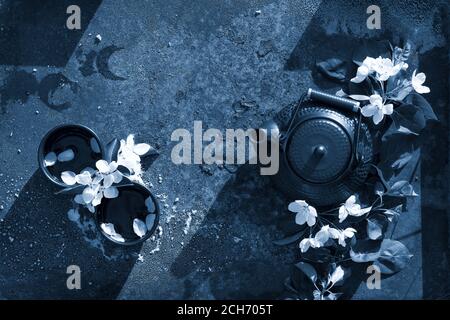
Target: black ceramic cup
[85, 144]
[135, 201]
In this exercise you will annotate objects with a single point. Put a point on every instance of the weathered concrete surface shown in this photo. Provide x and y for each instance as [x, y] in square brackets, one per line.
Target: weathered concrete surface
[181, 62]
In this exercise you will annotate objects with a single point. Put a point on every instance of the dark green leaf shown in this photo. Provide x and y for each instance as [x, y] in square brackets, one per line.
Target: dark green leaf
[308, 270]
[77, 189]
[374, 230]
[409, 116]
[290, 239]
[365, 251]
[402, 161]
[333, 69]
[124, 170]
[111, 150]
[394, 256]
[364, 88]
[402, 188]
[320, 255]
[290, 286]
[393, 212]
[381, 177]
[404, 130]
[393, 147]
[376, 226]
[419, 101]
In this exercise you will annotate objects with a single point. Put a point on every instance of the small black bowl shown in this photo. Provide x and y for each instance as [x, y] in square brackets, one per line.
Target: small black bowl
[122, 211]
[70, 136]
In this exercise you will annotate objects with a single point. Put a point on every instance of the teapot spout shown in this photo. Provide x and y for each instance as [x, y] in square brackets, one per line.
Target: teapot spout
[268, 130]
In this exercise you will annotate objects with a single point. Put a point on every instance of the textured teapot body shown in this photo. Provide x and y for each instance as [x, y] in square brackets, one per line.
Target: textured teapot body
[325, 153]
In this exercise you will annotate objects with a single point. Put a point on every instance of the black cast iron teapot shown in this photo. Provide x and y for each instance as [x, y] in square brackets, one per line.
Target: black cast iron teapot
[325, 149]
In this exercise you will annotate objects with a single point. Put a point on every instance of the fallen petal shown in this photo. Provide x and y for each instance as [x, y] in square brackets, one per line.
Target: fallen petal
[73, 215]
[111, 192]
[108, 228]
[150, 204]
[50, 159]
[68, 177]
[66, 156]
[139, 228]
[95, 146]
[118, 237]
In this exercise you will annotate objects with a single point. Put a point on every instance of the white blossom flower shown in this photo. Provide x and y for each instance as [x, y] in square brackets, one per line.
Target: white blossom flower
[326, 233]
[323, 235]
[84, 178]
[129, 155]
[306, 243]
[336, 276]
[417, 82]
[350, 207]
[377, 109]
[98, 184]
[317, 241]
[342, 235]
[304, 212]
[384, 68]
[109, 172]
[364, 70]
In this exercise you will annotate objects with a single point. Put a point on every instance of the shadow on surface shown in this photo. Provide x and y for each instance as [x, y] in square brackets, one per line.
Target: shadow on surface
[38, 243]
[232, 256]
[34, 33]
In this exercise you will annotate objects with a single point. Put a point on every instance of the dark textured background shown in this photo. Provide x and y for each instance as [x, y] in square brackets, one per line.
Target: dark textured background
[173, 62]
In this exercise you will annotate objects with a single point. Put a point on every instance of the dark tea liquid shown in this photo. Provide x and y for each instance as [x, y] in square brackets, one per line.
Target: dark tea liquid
[79, 141]
[122, 211]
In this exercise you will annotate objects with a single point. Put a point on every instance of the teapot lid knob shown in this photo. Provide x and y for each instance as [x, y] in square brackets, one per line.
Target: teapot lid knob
[320, 151]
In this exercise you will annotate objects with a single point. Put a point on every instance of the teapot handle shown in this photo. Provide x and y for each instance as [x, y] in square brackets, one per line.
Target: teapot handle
[335, 101]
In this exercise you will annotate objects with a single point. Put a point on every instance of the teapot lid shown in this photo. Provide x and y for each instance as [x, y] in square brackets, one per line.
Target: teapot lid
[319, 150]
